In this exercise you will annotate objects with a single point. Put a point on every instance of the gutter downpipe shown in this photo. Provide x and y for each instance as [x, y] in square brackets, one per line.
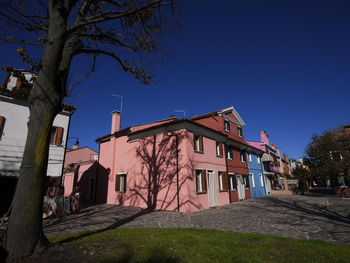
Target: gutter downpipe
[177, 169]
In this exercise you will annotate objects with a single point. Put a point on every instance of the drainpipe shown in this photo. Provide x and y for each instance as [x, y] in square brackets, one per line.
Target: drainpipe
[228, 184]
[177, 169]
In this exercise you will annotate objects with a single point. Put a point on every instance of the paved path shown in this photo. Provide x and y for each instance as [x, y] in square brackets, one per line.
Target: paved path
[307, 217]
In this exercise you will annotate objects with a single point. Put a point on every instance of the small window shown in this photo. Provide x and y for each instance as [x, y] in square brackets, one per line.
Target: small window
[253, 181]
[227, 125]
[201, 181]
[56, 135]
[198, 143]
[232, 182]
[120, 182]
[219, 149]
[243, 157]
[223, 181]
[229, 153]
[258, 159]
[261, 180]
[240, 131]
[2, 125]
[250, 157]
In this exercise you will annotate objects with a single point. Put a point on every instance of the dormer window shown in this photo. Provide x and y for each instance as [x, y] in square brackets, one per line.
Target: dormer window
[227, 125]
[240, 131]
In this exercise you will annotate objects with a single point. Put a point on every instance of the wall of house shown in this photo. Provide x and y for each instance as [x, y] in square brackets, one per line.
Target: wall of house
[217, 123]
[83, 177]
[79, 155]
[208, 160]
[256, 170]
[14, 137]
[150, 167]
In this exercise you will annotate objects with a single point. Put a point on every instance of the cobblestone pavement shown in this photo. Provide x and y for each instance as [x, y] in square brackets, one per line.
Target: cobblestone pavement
[307, 217]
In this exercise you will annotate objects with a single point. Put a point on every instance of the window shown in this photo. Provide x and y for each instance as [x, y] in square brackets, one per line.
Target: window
[2, 125]
[243, 157]
[120, 182]
[250, 157]
[219, 149]
[227, 125]
[261, 180]
[223, 181]
[229, 153]
[258, 159]
[253, 181]
[240, 131]
[56, 135]
[198, 143]
[201, 181]
[246, 181]
[232, 182]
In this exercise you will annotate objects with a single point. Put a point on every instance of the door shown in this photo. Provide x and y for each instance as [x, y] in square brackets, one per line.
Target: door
[212, 195]
[240, 187]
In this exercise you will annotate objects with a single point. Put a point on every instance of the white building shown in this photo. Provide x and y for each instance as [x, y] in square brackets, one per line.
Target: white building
[14, 115]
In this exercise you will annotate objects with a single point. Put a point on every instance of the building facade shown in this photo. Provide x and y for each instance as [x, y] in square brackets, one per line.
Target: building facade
[177, 164]
[14, 115]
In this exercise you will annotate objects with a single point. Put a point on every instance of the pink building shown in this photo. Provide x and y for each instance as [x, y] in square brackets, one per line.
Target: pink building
[173, 164]
[79, 176]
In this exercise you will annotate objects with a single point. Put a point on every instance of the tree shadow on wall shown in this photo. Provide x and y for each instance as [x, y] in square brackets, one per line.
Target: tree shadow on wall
[164, 172]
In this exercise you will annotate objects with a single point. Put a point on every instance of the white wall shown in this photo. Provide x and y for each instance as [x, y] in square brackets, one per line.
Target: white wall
[14, 136]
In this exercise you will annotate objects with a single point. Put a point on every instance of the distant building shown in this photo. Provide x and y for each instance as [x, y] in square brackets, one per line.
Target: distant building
[14, 116]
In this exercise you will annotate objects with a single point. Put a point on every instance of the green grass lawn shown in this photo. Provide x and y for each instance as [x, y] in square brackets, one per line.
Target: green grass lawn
[190, 245]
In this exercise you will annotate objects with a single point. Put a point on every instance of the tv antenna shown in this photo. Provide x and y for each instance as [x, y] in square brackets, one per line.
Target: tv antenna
[121, 100]
[184, 112]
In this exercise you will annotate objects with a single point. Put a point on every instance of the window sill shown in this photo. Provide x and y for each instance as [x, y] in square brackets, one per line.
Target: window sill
[120, 192]
[200, 193]
[229, 159]
[198, 152]
[220, 156]
[222, 191]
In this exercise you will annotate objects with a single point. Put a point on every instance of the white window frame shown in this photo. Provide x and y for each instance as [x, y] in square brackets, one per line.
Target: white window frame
[229, 125]
[253, 181]
[231, 177]
[240, 131]
[242, 157]
[122, 182]
[258, 160]
[199, 181]
[229, 153]
[221, 184]
[219, 147]
[261, 179]
[250, 157]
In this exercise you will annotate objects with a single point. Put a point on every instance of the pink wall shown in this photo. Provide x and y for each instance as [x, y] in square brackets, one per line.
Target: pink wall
[143, 163]
[79, 155]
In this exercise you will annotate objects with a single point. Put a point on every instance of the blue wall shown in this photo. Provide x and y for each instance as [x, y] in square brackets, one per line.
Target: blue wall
[256, 169]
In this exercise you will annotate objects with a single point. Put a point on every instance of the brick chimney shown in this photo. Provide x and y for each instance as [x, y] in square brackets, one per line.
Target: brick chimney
[264, 137]
[115, 121]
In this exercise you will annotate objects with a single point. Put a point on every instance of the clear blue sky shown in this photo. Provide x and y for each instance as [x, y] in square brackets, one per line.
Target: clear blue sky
[284, 66]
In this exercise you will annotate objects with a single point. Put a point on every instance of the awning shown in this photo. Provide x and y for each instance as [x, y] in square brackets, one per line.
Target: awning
[267, 158]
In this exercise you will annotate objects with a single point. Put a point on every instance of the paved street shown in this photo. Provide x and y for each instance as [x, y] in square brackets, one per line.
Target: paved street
[308, 217]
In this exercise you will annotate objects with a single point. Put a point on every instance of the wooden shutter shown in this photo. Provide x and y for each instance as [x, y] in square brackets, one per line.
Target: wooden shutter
[224, 181]
[117, 182]
[58, 135]
[124, 188]
[2, 125]
[204, 181]
[200, 143]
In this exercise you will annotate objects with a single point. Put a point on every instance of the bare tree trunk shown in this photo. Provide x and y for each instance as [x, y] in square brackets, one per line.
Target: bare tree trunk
[25, 232]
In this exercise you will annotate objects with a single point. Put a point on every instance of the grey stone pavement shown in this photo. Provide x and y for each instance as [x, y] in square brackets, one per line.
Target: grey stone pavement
[306, 217]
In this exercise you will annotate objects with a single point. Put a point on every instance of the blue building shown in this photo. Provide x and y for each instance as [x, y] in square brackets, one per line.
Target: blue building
[256, 174]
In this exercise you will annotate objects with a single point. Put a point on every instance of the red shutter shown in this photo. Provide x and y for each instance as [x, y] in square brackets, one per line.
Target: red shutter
[224, 181]
[2, 125]
[58, 135]
[117, 182]
[204, 181]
